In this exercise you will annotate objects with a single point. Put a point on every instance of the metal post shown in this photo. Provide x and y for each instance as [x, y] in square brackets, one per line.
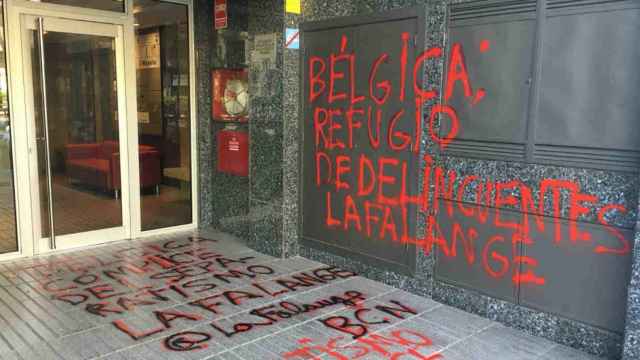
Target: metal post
[45, 119]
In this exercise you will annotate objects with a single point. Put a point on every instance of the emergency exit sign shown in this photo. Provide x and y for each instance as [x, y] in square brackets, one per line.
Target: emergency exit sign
[220, 14]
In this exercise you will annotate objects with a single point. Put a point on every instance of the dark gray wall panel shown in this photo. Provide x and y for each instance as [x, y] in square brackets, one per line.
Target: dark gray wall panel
[589, 97]
[496, 126]
[580, 284]
[577, 66]
[503, 71]
[368, 38]
[458, 271]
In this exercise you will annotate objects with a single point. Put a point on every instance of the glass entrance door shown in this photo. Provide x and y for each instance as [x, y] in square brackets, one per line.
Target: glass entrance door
[74, 90]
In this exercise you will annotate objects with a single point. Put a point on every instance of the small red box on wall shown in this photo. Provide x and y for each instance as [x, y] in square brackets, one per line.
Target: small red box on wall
[230, 90]
[233, 152]
[220, 14]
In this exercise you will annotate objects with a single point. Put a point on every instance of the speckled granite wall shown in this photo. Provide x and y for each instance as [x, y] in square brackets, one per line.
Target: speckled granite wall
[202, 10]
[224, 199]
[248, 207]
[291, 84]
[230, 204]
[611, 187]
[632, 331]
[266, 132]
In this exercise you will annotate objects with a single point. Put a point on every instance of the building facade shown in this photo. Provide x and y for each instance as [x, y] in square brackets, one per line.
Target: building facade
[481, 153]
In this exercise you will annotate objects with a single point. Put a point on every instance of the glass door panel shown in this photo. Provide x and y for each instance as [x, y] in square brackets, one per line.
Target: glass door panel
[164, 126]
[74, 85]
[109, 5]
[8, 238]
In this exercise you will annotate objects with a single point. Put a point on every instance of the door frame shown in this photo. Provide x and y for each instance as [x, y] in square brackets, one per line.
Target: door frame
[25, 224]
[73, 27]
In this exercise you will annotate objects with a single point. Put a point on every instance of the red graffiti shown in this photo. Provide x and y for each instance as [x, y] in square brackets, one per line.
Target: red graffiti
[357, 187]
[393, 344]
[328, 121]
[190, 273]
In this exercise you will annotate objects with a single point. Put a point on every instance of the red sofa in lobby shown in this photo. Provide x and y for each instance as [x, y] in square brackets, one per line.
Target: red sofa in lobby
[98, 164]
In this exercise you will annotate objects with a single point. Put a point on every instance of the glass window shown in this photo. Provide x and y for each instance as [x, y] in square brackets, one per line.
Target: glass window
[80, 74]
[8, 235]
[110, 5]
[163, 113]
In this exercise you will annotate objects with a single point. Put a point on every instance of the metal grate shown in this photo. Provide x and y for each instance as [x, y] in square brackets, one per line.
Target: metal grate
[484, 8]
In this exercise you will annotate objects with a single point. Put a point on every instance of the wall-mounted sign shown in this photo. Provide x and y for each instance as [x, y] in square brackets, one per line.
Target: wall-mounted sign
[143, 117]
[233, 152]
[149, 50]
[264, 49]
[263, 64]
[220, 14]
[292, 38]
[293, 6]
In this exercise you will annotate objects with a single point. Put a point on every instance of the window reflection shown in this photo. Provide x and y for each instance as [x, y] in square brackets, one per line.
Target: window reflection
[110, 5]
[163, 113]
[8, 235]
[80, 74]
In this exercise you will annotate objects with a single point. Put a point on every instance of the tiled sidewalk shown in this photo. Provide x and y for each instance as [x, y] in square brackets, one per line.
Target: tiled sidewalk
[208, 297]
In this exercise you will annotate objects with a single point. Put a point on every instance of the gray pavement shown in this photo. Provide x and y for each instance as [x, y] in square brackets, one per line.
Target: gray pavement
[207, 296]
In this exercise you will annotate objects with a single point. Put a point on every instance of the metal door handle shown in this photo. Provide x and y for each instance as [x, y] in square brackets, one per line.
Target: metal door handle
[45, 118]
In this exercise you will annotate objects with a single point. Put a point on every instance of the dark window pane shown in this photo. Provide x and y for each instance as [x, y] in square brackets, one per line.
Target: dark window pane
[83, 132]
[8, 236]
[163, 113]
[110, 5]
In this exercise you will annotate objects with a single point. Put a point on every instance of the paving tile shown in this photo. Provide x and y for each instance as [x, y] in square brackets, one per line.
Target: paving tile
[230, 355]
[417, 303]
[475, 349]
[12, 355]
[17, 335]
[365, 288]
[458, 322]
[132, 353]
[113, 340]
[5, 346]
[299, 264]
[81, 346]
[419, 332]
[161, 353]
[566, 353]
[39, 351]
[253, 351]
[502, 337]
[281, 342]
[115, 356]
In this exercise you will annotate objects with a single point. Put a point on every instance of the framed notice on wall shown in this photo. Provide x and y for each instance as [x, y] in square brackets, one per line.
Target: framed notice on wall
[264, 50]
[148, 50]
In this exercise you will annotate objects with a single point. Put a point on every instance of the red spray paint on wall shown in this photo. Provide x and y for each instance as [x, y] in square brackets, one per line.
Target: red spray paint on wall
[358, 186]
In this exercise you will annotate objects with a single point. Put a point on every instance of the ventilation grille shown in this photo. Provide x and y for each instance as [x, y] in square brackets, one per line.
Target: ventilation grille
[565, 4]
[480, 9]
[485, 150]
[620, 160]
